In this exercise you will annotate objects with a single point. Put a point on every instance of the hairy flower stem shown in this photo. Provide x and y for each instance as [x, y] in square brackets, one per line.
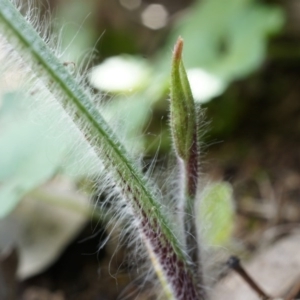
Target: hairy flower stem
[191, 173]
[190, 189]
[184, 127]
[169, 260]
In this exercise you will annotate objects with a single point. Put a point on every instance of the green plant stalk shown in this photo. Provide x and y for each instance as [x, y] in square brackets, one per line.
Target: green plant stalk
[184, 127]
[171, 264]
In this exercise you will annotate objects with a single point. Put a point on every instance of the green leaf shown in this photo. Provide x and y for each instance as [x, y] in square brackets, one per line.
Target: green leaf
[216, 213]
[32, 152]
[227, 42]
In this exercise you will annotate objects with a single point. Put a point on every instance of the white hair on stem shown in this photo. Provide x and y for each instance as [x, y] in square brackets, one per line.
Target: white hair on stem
[133, 197]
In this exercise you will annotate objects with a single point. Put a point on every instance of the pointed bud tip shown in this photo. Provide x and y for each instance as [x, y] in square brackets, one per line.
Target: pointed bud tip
[178, 49]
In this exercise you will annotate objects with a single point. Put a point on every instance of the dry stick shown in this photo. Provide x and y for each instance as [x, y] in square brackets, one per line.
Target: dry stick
[234, 263]
[293, 292]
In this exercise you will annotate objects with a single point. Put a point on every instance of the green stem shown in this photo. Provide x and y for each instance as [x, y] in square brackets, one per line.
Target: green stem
[191, 180]
[184, 128]
[164, 249]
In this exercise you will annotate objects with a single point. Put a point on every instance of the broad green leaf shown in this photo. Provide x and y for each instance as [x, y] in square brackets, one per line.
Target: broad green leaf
[33, 149]
[226, 41]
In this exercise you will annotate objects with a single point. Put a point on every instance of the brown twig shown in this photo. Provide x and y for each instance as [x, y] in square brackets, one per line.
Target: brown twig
[234, 263]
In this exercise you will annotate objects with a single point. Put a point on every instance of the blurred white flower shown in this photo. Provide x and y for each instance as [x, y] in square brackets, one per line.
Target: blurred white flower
[205, 85]
[155, 16]
[120, 74]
